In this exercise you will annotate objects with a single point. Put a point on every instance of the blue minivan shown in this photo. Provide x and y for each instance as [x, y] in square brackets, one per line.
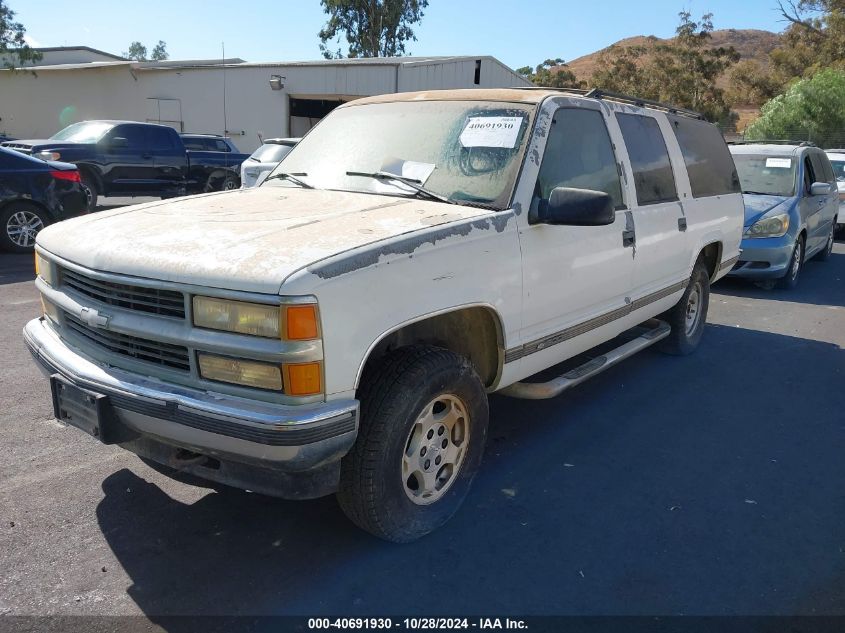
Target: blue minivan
[791, 204]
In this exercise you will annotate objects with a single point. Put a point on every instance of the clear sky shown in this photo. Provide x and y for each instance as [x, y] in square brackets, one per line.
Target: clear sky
[518, 33]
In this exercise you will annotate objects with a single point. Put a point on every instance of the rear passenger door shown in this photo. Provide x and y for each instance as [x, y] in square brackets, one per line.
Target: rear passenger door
[661, 254]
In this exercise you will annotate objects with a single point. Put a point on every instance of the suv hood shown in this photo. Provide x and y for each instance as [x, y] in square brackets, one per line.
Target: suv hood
[249, 240]
[756, 206]
[42, 143]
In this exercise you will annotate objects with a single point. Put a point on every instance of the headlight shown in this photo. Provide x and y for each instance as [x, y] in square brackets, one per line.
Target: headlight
[248, 373]
[47, 155]
[293, 322]
[238, 316]
[43, 269]
[775, 226]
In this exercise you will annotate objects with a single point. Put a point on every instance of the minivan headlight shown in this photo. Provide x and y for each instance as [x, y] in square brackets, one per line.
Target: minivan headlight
[774, 226]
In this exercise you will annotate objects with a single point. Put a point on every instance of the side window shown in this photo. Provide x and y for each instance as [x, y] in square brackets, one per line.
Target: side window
[220, 145]
[159, 139]
[649, 159]
[134, 135]
[579, 154]
[709, 164]
[192, 144]
[809, 175]
[821, 167]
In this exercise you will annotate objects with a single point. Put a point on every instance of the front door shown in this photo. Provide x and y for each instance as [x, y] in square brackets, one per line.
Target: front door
[574, 277]
[128, 166]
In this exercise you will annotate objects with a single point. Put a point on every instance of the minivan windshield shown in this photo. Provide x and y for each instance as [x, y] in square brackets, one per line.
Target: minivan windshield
[468, 152]
[766, 174]
[84, 132]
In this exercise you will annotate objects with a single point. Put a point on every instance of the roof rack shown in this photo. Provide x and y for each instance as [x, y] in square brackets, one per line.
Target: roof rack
[772, 141]
[606, 95]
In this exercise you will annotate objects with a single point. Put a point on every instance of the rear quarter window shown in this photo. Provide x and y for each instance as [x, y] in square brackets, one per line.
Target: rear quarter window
[649, 157]
[707, 158]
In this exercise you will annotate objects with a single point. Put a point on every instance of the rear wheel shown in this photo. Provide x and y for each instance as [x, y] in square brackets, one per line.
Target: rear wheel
[689, 316]
[423, 428]
[21, 222]
[796, 265]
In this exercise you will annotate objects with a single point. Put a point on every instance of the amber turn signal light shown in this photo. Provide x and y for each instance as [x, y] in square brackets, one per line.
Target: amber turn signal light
[301, 322]
[303, 379]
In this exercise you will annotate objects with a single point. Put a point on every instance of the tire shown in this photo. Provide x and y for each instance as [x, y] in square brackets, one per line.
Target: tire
[20, 222]
[90, 191]
[230, 183]
[824, 254]
[796, 264]
[399, 481]
[689, 316]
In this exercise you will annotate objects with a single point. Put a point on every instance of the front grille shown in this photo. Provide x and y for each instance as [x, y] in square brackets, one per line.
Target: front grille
[139, 298]
[166, 354]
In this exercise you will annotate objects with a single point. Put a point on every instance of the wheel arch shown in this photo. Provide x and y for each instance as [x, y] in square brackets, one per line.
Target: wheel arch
[88, 170]
[711, 253]
[447, 329]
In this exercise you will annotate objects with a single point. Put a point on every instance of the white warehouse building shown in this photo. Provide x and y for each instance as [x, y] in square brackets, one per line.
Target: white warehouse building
[243, 100]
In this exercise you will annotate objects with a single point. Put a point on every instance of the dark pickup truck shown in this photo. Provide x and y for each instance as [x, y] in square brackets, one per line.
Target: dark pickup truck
[127, 158]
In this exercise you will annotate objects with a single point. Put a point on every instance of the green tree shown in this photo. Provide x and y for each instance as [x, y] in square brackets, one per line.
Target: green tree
[749, 83]
[811, 109]
[159, 53]
[14, 51]
[552, 73]
[137, 51]
[372, 28]
[681, 71]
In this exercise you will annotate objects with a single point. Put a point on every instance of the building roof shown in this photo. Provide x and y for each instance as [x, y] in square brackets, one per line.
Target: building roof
[61, 49]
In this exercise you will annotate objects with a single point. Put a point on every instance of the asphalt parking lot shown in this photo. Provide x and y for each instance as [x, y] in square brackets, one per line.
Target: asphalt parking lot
[711, 484]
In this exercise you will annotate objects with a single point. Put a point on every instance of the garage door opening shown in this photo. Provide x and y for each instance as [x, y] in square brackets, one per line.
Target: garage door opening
[304, 113]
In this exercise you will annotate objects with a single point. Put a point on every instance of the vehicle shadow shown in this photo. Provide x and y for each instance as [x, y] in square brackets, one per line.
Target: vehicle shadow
[15, 268]
[821, 283]
[665, 485]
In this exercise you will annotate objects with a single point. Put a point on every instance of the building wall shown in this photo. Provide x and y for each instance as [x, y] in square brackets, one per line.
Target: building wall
[191, 99]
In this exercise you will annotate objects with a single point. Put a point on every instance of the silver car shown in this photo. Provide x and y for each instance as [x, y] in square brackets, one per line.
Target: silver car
[837, 160]
[263, 160]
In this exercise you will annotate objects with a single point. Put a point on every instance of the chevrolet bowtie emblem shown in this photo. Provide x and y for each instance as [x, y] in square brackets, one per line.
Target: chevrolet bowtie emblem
[93, 318]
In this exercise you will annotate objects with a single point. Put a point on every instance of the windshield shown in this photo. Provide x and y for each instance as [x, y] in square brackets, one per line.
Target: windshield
[270, 153]
[766, 174]
[466, 151]
[85, 132]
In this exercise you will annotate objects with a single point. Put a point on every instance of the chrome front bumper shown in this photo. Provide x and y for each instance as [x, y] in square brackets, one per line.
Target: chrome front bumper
[267, 435]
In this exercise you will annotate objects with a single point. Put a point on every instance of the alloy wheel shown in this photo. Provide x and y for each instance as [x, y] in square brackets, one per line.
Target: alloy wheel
[22, 227]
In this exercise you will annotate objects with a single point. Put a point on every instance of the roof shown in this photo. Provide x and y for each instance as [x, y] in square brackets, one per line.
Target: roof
[60, 49]
[775, 149]
[464, 94]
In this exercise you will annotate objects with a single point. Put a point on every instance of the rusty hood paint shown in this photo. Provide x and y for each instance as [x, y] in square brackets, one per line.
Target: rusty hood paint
[248, 240]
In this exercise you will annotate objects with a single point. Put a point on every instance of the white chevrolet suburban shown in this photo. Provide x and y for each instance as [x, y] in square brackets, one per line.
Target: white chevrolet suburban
[339, 328]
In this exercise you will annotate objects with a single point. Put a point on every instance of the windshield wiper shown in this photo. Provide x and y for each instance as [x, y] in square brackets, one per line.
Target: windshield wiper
[757, 193]
[413, 183]
[281, 175]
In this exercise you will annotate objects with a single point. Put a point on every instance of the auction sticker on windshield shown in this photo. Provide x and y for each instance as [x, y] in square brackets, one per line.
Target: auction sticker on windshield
[783, 163]
[491, 131]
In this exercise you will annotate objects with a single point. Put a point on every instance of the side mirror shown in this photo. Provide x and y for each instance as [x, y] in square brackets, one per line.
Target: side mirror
[118, 142]
[575, 207]
[820, 189]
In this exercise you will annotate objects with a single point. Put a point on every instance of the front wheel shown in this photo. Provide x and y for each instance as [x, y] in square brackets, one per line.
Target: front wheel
[90, 188]
[796, 265]
[421, 438]
[689, 316]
